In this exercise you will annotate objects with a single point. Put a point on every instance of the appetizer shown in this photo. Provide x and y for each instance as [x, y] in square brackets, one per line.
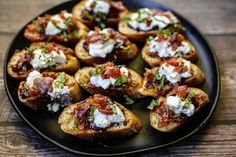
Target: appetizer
[48, 90]
[167, 45]
[104, 45]
[42, 56]
[61, 28]
[159, 80]
[145, 22]
[98, 117]
[100, 13]
[111, 80]
[170, 113]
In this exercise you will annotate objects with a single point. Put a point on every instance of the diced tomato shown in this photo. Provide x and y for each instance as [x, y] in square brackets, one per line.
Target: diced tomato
[111, 72]
[148, 22]
[173, 62]
[100, 100]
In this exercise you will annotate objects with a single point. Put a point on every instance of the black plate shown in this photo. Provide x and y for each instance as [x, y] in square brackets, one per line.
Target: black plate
[46, 123]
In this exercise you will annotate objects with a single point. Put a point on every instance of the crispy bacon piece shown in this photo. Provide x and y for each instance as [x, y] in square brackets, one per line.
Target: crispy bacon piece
[111, 72]
[102, 104]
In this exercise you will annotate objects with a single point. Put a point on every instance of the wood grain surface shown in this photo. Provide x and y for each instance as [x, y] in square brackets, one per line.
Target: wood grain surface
[215, 18]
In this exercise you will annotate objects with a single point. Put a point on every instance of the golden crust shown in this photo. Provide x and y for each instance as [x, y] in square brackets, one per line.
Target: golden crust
[82, 76]
[154, 61]
[70, 67]
[175, 126]
[132, 127]
[38, 102]
[196, 79]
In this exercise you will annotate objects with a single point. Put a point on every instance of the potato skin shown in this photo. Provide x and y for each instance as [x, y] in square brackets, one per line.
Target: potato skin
[110, 22]
[132, 127]
[175, 126]
[70, 67]
[155, 60]
[39, 102]
[83, 75]
[84, 56]
[196, 79]
[39, 37]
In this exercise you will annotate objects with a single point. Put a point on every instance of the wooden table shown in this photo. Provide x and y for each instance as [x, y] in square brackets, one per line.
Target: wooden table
[215, 18]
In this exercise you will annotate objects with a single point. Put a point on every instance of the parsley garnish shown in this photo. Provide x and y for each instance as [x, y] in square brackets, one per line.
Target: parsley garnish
[121, 80]
[157, 75]
[105, 36]
[159, 78]
[65, 36]
[179, 26]
[153, 103]
[150, 38]
[166, 32]
[87, 15]
[60, 81]
[188, 100]
[91, 113]
[128, 100]
[30, 50]
[112, 105]
[67, 20]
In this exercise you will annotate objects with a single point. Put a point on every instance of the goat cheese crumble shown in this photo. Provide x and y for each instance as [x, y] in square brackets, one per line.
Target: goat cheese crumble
[98, 6]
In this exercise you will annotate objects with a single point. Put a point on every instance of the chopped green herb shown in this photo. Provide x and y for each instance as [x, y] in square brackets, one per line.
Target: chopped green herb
[60, 81]
[157, 75]
[49, 60]
[153, 103]
[91, 113]
[127, 18]
[67, 20]
[112, 105]
[121, 80]
[150, 38]
[128, 100]
[65, 36]
[179, 53]
[166, 31]
[87, 15]
[125, 48]
[162, 81]
[188, 100]
[105, 36]
[179, 26]
[30, 50]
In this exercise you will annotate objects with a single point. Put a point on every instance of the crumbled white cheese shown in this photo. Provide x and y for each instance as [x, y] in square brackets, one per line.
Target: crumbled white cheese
[53, 107]
[171, 75]
[100, 6]
[164, 48]
[32, 75]
[177, 105]
[51, 29]
[103, 121]
[138, 20]
[98, 81]
[101, 48]
[44, 60]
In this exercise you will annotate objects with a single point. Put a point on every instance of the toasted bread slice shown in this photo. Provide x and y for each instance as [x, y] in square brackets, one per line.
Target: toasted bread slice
[118, 54]
[153, 59]
[36, 100]
[35, 31]
[151, 87]
[69, 124]
[19, 65]
[110, 21]
[130, 88]
[199, 101]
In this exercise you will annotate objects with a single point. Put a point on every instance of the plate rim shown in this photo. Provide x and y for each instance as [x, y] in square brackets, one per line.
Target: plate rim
[214, 104]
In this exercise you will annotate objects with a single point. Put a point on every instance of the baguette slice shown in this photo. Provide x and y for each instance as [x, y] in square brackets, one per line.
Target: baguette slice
[135, 82]
[153, 59]
[152, 88]
[31, 97]
[35, 31]
[68, 121]
[117, 55]
[20, 71]
[78, 9]
[199, 101]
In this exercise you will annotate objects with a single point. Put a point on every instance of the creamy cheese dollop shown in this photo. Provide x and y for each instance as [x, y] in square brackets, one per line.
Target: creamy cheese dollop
[177, 105]
[173, 76]
[100, 6]
[98, 81]
[56, 24]
[103, 121]
[138, 20]
[43, 60]
[101, 48]
[164, 48]
[32, 75]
